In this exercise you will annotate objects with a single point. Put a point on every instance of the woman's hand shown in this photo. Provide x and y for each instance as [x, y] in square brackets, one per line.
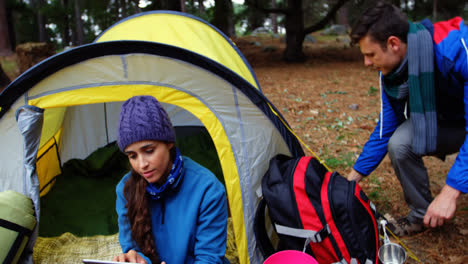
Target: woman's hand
[131, 256]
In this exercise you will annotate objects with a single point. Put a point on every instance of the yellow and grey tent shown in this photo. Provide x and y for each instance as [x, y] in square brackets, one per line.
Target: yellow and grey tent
[67, 106]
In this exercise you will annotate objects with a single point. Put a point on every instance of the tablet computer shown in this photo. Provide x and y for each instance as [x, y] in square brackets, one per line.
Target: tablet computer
[97, 261]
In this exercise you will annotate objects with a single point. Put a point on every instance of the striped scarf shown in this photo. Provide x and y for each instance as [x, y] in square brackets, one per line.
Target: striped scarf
[415, 78]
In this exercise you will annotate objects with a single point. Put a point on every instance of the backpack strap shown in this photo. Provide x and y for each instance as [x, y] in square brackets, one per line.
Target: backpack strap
[307, 212]
[355, 261]
[329, 217]
[263, 241]
[312, 236]
[343, 261]
[370, 207]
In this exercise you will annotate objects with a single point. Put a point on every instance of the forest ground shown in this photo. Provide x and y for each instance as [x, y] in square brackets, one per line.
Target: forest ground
[332, 103]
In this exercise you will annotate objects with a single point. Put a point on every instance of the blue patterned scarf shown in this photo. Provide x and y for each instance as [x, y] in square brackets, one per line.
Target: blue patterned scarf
[175, 176]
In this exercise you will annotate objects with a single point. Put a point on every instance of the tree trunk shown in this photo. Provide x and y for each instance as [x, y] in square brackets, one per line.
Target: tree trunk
[342, 16]
[41, 21]
[73, 39]
[11, 28]
[294, 24]
[78, 24]
[256, 19]
[434, 10]
[5, 45]
[171, 5]
[274, 19]
[182, 5]
[201, 6]
[396, 3]
[66, 26]
[222, 19]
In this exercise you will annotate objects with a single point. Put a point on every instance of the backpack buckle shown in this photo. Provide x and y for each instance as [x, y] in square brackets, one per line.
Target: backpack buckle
[321, 235]
[318, 237]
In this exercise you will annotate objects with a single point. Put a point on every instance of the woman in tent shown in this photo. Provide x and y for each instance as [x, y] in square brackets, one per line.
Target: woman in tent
[170, 208]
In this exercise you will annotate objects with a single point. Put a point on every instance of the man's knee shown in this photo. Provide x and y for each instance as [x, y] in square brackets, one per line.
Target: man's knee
[398, 149]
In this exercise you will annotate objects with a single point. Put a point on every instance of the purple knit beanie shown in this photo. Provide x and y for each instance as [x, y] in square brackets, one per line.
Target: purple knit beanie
[143, 118]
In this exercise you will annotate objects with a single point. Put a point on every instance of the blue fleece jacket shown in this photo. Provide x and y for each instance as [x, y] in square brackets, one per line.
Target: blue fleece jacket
[450, 39]
[189, 223]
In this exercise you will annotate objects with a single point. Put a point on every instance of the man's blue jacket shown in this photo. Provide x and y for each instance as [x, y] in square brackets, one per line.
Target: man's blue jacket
[450, 40]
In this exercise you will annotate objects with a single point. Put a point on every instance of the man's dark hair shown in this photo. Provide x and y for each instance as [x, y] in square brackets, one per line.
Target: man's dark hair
[380, 22]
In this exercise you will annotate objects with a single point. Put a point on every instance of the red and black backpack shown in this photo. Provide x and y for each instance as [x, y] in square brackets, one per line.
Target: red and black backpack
[316, 211]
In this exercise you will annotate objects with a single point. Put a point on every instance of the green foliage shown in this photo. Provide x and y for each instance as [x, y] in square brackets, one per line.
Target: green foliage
[445, 9]
[203, 13]
[372, 91]
[240, 15]
[23, 20]
[256, 18]
[378, 194]
[56, 15]
[314, 10]
[100, 15]
[374, 195]
[344, 160]
[335, 92]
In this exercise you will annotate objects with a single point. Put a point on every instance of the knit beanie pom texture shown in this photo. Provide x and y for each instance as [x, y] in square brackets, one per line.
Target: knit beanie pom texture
[143, 118]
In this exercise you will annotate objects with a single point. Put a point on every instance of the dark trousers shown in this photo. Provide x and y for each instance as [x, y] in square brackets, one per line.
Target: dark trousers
[409, 167]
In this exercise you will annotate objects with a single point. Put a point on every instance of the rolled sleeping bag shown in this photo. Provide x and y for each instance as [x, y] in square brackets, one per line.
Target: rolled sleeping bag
[17, 222]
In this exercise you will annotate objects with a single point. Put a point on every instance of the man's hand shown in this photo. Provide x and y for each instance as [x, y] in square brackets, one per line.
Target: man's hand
[442, 208]
[131, 256]
[355, 176]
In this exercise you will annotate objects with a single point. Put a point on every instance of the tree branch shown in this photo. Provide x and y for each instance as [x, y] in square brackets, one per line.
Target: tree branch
[322, 23]
[254, 4]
